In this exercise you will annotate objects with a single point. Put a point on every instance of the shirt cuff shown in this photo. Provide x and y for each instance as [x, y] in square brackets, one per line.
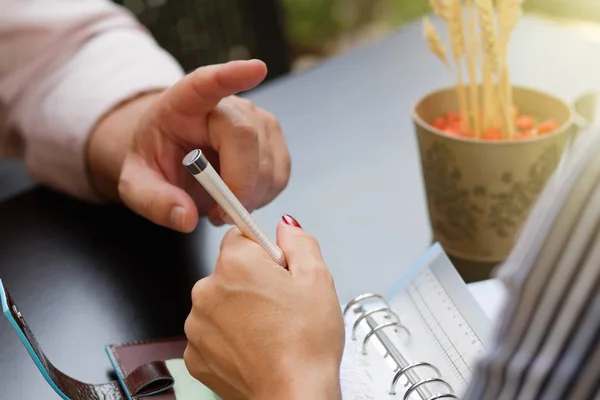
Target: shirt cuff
[109, 69]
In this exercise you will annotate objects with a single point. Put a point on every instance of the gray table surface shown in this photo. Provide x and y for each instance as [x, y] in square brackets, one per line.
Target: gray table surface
[356, 180]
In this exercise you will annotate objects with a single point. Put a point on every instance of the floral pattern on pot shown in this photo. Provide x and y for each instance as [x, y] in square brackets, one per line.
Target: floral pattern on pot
[458, 211]
[510, 206]
[454, 218]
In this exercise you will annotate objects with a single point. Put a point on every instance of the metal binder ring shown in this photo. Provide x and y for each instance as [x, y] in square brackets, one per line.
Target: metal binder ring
[373, 331]
[404, 370]
[442, 396]
[363, 297]
[371, 312]
[424, 382]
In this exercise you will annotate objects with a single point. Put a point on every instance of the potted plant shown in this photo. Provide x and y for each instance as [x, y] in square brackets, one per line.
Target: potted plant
[487, 147]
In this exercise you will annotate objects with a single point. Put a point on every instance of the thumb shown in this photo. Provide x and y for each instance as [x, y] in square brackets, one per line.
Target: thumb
[148, 194]
[200, 91]
[302, 250]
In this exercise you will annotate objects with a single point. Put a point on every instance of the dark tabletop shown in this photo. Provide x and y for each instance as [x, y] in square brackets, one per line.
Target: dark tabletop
[86, 276]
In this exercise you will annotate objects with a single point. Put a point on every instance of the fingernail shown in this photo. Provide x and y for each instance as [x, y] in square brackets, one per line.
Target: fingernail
[177, 217]
[289, 220]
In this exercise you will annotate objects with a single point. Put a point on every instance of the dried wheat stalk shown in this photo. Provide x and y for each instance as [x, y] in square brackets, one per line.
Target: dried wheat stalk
[509, 12]
[490, 103]
[489, 41]
[487, 25]
[454, 17]
[436, 45]
[472, 56]
[439, 8]
[492, 107]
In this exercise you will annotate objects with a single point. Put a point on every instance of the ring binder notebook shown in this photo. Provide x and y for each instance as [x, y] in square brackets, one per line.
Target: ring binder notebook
[403, 368]
[419, 341]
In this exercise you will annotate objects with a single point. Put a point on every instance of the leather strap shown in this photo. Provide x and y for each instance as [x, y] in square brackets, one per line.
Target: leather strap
[146, 380]
[149, 379]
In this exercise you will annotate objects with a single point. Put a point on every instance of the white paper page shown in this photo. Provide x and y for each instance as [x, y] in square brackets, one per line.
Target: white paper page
[442, 339]
[491, 295]
[449, 329]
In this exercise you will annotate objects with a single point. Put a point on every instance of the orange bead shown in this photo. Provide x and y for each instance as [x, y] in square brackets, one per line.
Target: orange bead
[452, 117]
[525, 123]
[439, 123]
[492, 134]
[547, 127]
[455, 126]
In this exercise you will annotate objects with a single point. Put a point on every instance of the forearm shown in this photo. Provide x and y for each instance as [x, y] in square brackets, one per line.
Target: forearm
[75, 62]
[110, 141]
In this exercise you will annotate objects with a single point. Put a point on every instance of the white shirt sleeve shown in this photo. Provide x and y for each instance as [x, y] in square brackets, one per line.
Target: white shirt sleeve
[63, 65]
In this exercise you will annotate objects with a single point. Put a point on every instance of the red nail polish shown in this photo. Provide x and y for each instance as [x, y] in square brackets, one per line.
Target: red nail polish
[289, 220]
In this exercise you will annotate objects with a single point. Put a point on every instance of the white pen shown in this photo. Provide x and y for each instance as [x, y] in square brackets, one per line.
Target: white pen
[200, 168]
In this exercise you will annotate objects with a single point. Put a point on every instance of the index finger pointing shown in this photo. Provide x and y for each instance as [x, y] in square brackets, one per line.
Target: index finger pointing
[201, 90]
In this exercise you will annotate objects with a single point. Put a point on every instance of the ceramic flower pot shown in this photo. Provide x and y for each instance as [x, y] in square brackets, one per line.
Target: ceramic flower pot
[479, 192]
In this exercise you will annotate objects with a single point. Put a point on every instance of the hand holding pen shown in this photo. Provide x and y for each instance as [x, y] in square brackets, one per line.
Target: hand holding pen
[141, 167]
[197, 164]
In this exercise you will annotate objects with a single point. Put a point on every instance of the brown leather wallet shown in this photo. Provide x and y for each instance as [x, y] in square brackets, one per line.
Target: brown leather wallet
[140, 366]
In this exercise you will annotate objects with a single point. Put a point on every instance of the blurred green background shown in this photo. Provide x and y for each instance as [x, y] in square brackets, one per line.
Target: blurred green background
[292, 34]
[315, 26]
[322, 27]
